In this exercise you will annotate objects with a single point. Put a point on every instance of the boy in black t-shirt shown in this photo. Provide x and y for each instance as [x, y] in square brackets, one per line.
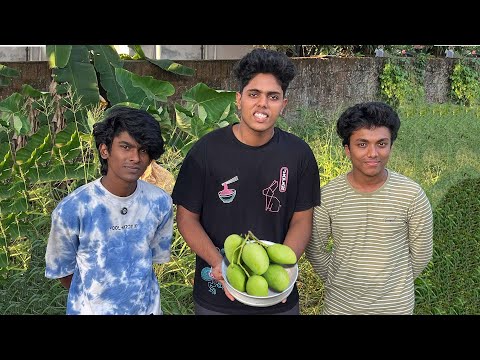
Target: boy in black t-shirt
[247, 176]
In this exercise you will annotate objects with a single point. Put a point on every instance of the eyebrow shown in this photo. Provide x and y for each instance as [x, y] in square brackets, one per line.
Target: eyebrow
[268, 92]
[365, 140]
[124, 142]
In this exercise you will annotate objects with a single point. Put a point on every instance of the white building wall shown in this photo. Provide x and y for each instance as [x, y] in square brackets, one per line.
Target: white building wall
[23, 53]
[171, 52]
[196, 52]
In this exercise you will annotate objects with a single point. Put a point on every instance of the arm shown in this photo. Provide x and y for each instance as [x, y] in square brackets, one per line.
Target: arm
[420, 233]
[316, 251]
[61, 251]
[162, 240]
[299, 231]
[188, 224]
[308, 196]
[66, 281]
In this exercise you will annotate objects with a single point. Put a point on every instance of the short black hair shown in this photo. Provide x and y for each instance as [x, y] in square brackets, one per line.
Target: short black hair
[138, 123]
[367, 115]
[267, 62]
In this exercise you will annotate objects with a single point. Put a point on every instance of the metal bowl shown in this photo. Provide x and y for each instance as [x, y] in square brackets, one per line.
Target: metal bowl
[273, 296]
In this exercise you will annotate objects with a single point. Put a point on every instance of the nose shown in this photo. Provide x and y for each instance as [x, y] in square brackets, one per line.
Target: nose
[135, 156]
[262, 100]
[372, 151]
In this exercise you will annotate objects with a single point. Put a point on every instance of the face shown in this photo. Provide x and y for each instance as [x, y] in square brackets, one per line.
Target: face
[369, 150]
[261, 102]
[127, 160]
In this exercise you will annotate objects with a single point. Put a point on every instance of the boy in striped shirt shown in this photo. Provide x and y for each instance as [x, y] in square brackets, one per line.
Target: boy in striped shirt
[372, 233]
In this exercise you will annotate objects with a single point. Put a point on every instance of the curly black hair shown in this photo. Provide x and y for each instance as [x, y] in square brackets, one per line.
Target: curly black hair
[367, 115]
[138, 123]
[267, 62]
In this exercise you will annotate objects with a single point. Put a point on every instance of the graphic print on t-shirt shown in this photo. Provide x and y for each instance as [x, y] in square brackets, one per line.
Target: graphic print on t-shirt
[272, 203]
[283, 179]
[207, 276]
[227, 195]
[213, 284]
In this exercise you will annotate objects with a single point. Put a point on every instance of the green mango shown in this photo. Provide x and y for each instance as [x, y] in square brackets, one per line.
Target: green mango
[277, 277]
[256, 258]
[257, 286]
[232, 243]
[236, 277]
[281, 254]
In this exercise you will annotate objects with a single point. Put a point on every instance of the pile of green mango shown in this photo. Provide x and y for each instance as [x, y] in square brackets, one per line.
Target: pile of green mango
[255, 266]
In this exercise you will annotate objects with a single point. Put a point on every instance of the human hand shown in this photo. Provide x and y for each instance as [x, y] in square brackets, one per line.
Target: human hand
[217, 275]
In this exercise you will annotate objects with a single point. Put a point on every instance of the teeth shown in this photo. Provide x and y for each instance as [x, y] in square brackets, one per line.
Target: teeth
[260, 115]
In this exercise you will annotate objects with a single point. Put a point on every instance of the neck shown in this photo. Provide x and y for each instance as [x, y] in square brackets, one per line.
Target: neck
[118, 187]
[251, 137]
[365, 183]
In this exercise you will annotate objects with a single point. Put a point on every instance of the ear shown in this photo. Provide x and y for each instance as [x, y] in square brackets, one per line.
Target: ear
[285, 101]
[103, 151]
[347, 151]
[238, 97]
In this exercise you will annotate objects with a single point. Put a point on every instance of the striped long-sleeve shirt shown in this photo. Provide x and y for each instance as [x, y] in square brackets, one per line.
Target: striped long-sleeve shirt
[382, 241]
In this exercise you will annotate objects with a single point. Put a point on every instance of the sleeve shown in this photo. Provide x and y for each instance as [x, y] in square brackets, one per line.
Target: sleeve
[317, 252]
[62, 246]
[189, 185]
[420, 233]
[309, 183]
[162, 240]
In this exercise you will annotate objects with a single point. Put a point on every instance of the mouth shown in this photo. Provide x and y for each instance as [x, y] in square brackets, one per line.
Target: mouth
[132, 168]
[261, 117]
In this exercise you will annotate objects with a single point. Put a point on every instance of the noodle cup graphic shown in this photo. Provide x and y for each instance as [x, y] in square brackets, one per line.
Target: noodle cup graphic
[227, 195]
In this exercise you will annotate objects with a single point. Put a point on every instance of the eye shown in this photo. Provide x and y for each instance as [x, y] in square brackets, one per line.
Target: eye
[274, 97]
[143, 151]
[253, 95]
[126, 147]
[362, 145]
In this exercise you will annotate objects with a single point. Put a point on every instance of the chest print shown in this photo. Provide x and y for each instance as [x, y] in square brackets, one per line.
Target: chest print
[272, 203]
[283, 179]
[212, 284]
[227, 195]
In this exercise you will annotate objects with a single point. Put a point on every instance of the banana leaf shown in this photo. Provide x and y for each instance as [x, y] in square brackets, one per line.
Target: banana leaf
[12, 114]
[134, 94]
[202, 98]
[173, 67]
[6, 161]
[38, 144]
[80, 74]
[8, 71]
[58, 55]
[105, 60]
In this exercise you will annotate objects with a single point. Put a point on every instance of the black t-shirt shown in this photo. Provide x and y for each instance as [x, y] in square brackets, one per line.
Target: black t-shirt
[236, 188]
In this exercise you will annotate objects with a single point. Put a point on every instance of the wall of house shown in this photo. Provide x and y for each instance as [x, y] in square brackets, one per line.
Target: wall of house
[22, 53]
[171, 52]
[328, 84]
[196, 52]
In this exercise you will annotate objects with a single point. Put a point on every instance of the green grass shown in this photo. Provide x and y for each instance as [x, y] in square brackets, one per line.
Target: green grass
[436, 147]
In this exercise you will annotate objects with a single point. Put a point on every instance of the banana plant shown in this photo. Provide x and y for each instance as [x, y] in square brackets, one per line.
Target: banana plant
[58, 153]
